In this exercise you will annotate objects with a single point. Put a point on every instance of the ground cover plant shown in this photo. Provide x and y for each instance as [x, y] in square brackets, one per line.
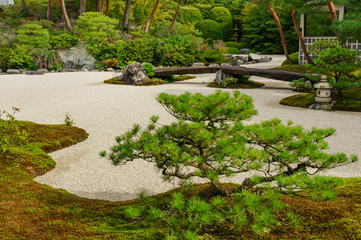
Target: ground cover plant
[236, 82]
[210, 141]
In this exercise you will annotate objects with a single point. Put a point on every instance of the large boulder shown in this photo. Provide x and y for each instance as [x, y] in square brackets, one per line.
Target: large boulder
[13, 71]
[77, 57]
[134, 74]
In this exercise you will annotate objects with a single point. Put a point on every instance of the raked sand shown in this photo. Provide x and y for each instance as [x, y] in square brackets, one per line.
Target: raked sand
[105, 111]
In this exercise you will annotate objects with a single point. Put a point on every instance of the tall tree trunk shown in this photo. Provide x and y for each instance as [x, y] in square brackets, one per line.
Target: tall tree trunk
[102, 7]
[281, 33]
[24, 7]
[332, 9]
[107, 8]
[82, 7]
[147, 24]
[99, 6]
[175, 17]
[48, 12]
[300, 36]
[66, 18]
[126, 14]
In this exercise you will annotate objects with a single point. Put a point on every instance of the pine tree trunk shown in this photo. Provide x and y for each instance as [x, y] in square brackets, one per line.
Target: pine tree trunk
[66, 18]
[300, 36]
[99, 6]
[332, 9]
[126, 14]
[82, 7]
[175, 17]
[281, 33]
[147, 24]
[48, 12]
[107, 8]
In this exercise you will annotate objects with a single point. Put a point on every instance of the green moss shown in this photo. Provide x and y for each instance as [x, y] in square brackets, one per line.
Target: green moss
[232, 50]
[350, 100]
[114, 80]
[294, 58]
[295, 68]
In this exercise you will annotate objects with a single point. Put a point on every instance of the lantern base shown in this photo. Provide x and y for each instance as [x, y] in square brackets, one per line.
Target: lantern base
[323, 100]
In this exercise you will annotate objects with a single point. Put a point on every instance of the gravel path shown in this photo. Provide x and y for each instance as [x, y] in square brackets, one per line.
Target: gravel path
[105, 111]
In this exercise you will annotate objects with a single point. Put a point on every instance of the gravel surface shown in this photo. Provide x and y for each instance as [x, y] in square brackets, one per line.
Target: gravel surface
[105, 111]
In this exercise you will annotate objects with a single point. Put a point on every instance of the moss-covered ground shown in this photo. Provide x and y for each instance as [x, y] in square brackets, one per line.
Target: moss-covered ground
[29, 210]
[349, 101]
[152, 81]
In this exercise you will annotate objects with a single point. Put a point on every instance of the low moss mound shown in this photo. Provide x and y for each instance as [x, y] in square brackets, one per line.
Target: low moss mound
[350, 100]
[295, 68]
[29, 210]
[249, 84]
[147, 82]
[114, 80]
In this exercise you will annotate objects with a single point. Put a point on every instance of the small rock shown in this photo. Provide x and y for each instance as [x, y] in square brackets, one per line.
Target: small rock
[220, 75]
[134, 74]
[13, 71]
[34, 73]
[213, 65]
[110, 70]
[198, 64]
[225, 64]
[43, 70]
[244, 50]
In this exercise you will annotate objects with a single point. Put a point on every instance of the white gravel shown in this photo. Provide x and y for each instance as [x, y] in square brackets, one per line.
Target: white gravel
[105, 111]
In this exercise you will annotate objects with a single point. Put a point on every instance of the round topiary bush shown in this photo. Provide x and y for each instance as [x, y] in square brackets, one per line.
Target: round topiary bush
[232, 50]
[210, 29]
[189, 14]
[222, 16]
[294, 58]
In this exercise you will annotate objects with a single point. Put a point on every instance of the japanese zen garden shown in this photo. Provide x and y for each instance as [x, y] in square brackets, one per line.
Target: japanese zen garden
[180, 119]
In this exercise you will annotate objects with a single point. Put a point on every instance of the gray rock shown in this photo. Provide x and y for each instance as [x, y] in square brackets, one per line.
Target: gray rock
[43, 70]
[308, 84]
[225, 64]
[34, 73]
[133, 74]
[213, 65]
[77, 57]
[255, 56]
[13, 71]
[110, 70]
[244, 50]
[220, 75]
[198, 64]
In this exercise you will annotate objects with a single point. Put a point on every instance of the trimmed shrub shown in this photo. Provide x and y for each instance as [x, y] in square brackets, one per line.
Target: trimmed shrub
[294, 58]
[141, 49]
[210, 29]
[21, 59]
[63, 40]
[189, 14]
[5, 56]
[234, 45]
[33, 35]
[232, 50]
[204, 8]
[222, 16]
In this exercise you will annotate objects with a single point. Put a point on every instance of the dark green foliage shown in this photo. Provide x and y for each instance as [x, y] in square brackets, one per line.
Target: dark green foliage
[339, 63]
[320, 46]
[237, 45]
[294, 58]
[33, 36]
[142, 49]
[5, 55]
[63, 40]
[210, 29]
[149, 69]
[189, 14]
[260, 31]
[21, 58]
[222, 16]
[233, 50]
[349, 30]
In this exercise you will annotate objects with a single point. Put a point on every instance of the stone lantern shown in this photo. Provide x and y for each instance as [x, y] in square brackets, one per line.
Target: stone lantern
[323, 92]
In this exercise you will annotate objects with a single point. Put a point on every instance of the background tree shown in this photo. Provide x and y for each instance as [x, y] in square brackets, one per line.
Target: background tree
[126, 14]
[82, 7]
[147, 24]
[65, 15]
[175, 17]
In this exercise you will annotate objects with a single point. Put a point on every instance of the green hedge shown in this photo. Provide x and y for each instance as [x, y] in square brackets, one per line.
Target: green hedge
[189, 14]
[294, 58]
[234, 45]
[33, 35]
[232, 50]
[222, 16]
[210, 29]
